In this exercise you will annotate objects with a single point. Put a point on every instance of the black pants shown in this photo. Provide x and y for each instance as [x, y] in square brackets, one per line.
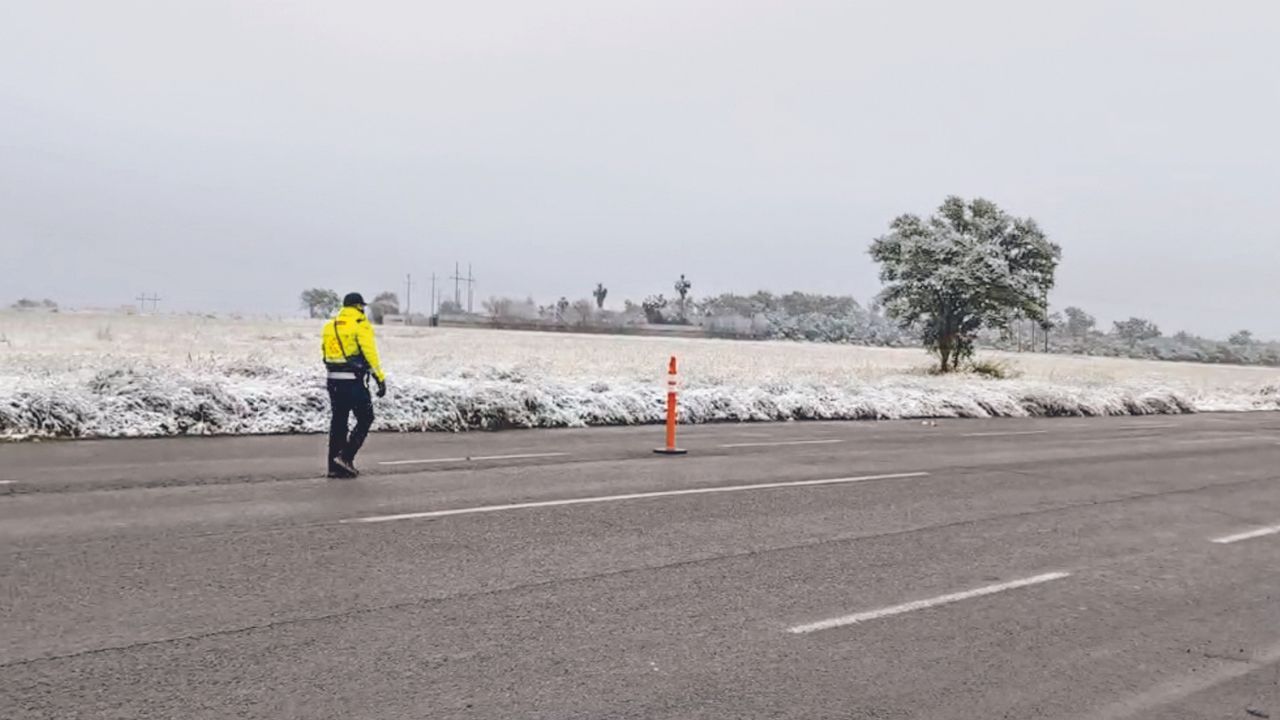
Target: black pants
[347, 397]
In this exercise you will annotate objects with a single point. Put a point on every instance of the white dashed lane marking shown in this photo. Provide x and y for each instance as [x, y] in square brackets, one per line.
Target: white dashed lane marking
[780, 443]
[1006, 434]
[924, 604]
[477, 458]
[630, 496]
[1249, 535]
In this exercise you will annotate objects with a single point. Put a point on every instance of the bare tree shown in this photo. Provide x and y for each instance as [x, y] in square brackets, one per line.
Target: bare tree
[600, 293]
[583, 311]
[498, 307]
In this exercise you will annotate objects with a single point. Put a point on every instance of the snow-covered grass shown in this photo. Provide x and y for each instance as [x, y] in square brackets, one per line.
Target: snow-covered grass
[113, 375]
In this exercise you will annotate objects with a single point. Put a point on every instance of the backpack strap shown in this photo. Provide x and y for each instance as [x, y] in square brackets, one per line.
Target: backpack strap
[338, 337]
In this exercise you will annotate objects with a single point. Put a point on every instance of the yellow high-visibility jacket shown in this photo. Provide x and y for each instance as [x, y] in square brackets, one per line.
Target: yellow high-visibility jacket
[349, 346]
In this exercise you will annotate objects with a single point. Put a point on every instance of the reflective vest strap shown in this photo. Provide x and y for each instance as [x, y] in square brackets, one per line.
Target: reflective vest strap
[338, 336]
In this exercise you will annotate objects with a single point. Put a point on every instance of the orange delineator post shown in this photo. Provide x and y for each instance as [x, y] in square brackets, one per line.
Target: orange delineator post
[673, 381]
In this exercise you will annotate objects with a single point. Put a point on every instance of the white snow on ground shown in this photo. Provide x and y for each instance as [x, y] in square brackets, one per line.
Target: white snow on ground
[117, 376]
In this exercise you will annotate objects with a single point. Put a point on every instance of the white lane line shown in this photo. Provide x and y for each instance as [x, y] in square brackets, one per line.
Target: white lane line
[923, 604]
[629, 496]
[477, 458]
[1260, 532]
[1006, 434]
[1211, 441]
[781, 442]
[1147, 427]
[7, 482]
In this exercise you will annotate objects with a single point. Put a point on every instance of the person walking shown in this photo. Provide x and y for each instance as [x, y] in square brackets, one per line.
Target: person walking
[350, 357]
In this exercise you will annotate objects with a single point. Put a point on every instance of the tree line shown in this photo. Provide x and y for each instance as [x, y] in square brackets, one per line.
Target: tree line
[1075, 331]
[968, 275]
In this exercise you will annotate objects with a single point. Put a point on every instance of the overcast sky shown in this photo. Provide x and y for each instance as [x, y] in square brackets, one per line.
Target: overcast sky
[226, 154]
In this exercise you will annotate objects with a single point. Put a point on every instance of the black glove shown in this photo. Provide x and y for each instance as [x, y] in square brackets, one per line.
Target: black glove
[382, 388]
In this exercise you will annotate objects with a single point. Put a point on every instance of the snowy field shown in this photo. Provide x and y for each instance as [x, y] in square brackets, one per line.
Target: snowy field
[72, 375]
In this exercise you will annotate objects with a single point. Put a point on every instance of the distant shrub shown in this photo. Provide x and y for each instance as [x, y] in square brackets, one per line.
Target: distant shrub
[29, 304]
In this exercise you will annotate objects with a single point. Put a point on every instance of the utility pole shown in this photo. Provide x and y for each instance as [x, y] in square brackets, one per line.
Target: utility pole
[143, 300]
[458, 279]
[457, 287]
[471, 289]
[434, 297]
[408, 295]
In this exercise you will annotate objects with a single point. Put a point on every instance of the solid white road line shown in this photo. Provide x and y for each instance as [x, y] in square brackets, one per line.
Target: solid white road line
[923, 604]
[781, 442]
[1260, 532]
[477, 458]
[629, 496]
[1006, 434]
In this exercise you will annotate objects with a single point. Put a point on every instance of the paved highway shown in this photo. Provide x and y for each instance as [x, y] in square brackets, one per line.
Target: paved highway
[1048, 568]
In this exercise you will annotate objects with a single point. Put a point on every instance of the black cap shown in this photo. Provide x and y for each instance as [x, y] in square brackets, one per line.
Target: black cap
[353, 300]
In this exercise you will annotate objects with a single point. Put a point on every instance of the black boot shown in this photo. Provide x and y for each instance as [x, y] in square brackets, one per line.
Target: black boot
[343, 467]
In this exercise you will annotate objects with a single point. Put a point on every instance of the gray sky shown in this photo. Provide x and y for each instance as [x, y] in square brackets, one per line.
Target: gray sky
[228, 153]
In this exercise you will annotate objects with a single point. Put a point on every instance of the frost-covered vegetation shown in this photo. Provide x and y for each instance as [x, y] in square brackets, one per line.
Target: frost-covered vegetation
[1076, 332]
[71, 375]
[800, 316]
[758, 316]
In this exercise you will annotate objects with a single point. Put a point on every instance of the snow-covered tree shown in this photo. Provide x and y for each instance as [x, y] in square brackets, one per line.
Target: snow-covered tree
[1244, 337]
[1079, 322]
[386, 303]
[655, 310]
[969, 266]
[1135, 330]
[319, 302]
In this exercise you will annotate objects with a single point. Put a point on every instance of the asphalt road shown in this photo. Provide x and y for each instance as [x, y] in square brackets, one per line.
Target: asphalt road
[1068, 568]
